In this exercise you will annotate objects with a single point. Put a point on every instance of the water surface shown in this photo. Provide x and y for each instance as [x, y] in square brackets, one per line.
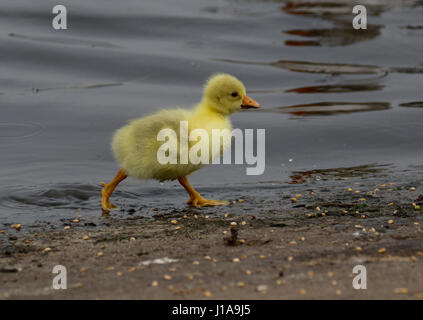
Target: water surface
[334, 99]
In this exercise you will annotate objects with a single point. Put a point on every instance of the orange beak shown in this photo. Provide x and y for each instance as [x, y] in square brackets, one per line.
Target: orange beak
[248, 103]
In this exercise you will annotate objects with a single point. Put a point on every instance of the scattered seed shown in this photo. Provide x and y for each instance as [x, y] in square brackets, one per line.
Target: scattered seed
[207, 257]
[79, 285]
[401, 290]
[262, 256]
[293, 242]
[119, 274]
[302, 291]
[154, 284]
[190, 277]
[185, 217]
[223, 288]
[302, 239]
[67, 228]
[170, 287]
[412, 189]
[195, 263]
[85, 237]
[334, 283]
[241, 200]
[243, 223]
[99, 254]
[174, 222]
[111, 268]
[248, 272]
[358, 249]
[310, 274]
[414, 259]
[195, 216]
[75, 221]
[338, 292]
[290, 258]
[83, 269]
[207, 294]
[349, 189]
[293, 200]
[47, 249]
[280, 282]
[233, 223]
[236, 260]
[167, 277]
[132, 269]
[240, 284]
[330, 274]
[357, 191]
[382, 250]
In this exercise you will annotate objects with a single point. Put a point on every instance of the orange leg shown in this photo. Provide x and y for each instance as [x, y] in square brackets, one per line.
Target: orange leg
[195, 198]
[108, 190]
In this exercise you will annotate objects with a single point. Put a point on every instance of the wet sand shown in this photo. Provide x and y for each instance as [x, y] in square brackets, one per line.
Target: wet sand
[303, 251]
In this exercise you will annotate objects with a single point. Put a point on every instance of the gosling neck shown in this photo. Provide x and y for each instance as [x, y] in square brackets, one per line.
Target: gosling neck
[206, 106]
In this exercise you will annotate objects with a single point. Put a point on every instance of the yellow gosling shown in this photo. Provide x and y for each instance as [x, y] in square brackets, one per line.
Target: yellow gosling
[135, 145]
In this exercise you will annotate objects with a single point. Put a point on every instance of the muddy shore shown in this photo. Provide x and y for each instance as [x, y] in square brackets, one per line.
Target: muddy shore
[306, 250]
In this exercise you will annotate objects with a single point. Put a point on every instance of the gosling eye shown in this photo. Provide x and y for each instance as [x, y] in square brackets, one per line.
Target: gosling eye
[234, 94]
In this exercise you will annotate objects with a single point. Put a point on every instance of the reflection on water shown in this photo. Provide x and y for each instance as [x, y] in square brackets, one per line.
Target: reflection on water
[330, 68]
[416, 104]
[337, 88]
[340, 35]
[331, 108]
[368, 170]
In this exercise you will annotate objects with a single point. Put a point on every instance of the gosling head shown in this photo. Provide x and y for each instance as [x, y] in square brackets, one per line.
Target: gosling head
[225, 94]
